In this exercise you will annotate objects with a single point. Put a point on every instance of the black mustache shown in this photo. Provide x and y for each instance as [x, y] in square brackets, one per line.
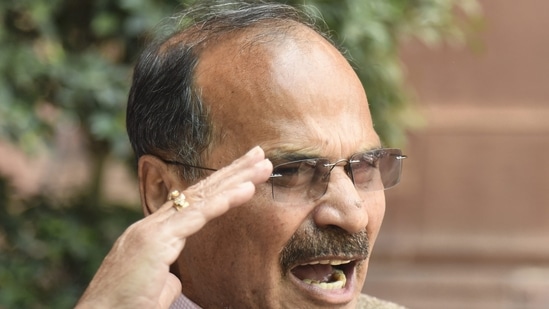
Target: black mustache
[313, 242]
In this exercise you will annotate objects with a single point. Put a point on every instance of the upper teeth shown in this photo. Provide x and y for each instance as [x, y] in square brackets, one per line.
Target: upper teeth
[325, 262]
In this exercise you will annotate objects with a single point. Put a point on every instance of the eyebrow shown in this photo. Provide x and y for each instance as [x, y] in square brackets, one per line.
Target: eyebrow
[281, 156]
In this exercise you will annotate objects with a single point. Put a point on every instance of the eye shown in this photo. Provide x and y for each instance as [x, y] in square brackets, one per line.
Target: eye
[286, 170]
[366, 160]
[365, 170]
[293, 174]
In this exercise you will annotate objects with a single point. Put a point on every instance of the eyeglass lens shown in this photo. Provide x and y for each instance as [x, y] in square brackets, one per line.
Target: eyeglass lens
[307, 180]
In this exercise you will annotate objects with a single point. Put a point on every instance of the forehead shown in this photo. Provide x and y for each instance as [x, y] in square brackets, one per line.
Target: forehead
[288, 92]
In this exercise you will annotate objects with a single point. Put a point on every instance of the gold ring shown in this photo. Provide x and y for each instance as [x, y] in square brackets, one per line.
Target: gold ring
[178, 199]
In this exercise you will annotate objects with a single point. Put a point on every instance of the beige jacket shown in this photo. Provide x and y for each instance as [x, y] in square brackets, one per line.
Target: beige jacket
[370, 302]
[364, 302]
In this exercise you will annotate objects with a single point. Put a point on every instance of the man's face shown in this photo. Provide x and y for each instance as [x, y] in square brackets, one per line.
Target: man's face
[296, 97]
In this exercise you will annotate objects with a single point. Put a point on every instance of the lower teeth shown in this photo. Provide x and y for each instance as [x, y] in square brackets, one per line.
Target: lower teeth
[339, 281]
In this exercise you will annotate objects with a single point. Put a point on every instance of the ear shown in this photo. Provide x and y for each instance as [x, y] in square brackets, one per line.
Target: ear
[156, 180]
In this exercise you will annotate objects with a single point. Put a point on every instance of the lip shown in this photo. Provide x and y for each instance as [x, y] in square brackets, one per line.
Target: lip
[335, 296]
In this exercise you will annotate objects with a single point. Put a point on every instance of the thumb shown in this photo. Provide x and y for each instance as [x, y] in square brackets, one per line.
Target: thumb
[170, 292]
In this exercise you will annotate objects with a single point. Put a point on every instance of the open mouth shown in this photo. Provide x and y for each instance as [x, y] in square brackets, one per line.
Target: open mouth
[325, 274]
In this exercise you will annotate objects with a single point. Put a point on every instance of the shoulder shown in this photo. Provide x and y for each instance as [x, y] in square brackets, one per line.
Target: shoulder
[370, 302]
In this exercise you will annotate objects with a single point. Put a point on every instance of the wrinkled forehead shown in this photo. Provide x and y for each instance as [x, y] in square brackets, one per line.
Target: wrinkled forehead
[259, 81]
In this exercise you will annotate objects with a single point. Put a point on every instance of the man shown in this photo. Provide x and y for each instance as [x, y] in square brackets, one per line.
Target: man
[250, 76]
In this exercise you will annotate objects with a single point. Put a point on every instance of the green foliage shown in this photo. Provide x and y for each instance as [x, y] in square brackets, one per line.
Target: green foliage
[371, 32]
[51, 249]
[68, 63]
[64, 63]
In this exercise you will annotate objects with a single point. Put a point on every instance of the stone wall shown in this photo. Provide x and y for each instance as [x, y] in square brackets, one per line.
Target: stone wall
[469, 226]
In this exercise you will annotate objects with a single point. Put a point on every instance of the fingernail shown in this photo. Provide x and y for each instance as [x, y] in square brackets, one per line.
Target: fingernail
[245, 185]
[254, 150]
[263, 163]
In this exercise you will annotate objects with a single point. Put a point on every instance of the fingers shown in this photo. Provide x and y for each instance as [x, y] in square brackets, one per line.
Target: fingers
[139, 261]
[231, 181]
[251, 167]
[208, 199]
[226, 188]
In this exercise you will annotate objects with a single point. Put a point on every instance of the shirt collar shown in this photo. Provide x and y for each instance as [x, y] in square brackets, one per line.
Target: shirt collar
[182, 302]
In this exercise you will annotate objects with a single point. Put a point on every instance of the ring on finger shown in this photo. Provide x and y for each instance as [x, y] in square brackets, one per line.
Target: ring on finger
[179, 200]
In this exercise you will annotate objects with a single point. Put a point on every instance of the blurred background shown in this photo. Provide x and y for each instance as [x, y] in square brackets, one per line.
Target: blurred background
[469, 225]
[460, 85]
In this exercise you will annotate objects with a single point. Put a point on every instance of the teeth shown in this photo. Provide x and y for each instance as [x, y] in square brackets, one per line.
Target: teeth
[326, 286]
[326, 262]
[338, 277]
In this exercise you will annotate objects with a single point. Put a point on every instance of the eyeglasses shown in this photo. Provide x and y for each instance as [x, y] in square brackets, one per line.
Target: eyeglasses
[307, 180]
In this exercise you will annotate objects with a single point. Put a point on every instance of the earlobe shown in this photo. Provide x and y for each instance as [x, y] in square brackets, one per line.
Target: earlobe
[156, 180]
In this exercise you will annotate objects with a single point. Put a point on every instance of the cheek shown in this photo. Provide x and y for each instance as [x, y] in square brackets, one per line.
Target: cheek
[248, 240]
[253, 233]
[376, 211]
[271, 225]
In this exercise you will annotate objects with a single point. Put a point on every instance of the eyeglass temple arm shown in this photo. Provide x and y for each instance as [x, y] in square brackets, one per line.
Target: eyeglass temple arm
[203, 168]
[188, 165]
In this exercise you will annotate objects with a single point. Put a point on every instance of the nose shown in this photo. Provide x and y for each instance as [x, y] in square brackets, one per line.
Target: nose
[342, 205]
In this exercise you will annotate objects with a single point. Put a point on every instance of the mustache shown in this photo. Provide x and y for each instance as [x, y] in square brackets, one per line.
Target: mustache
[313, 242]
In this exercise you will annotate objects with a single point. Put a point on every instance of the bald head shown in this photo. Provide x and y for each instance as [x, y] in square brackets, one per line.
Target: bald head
[256, 78]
